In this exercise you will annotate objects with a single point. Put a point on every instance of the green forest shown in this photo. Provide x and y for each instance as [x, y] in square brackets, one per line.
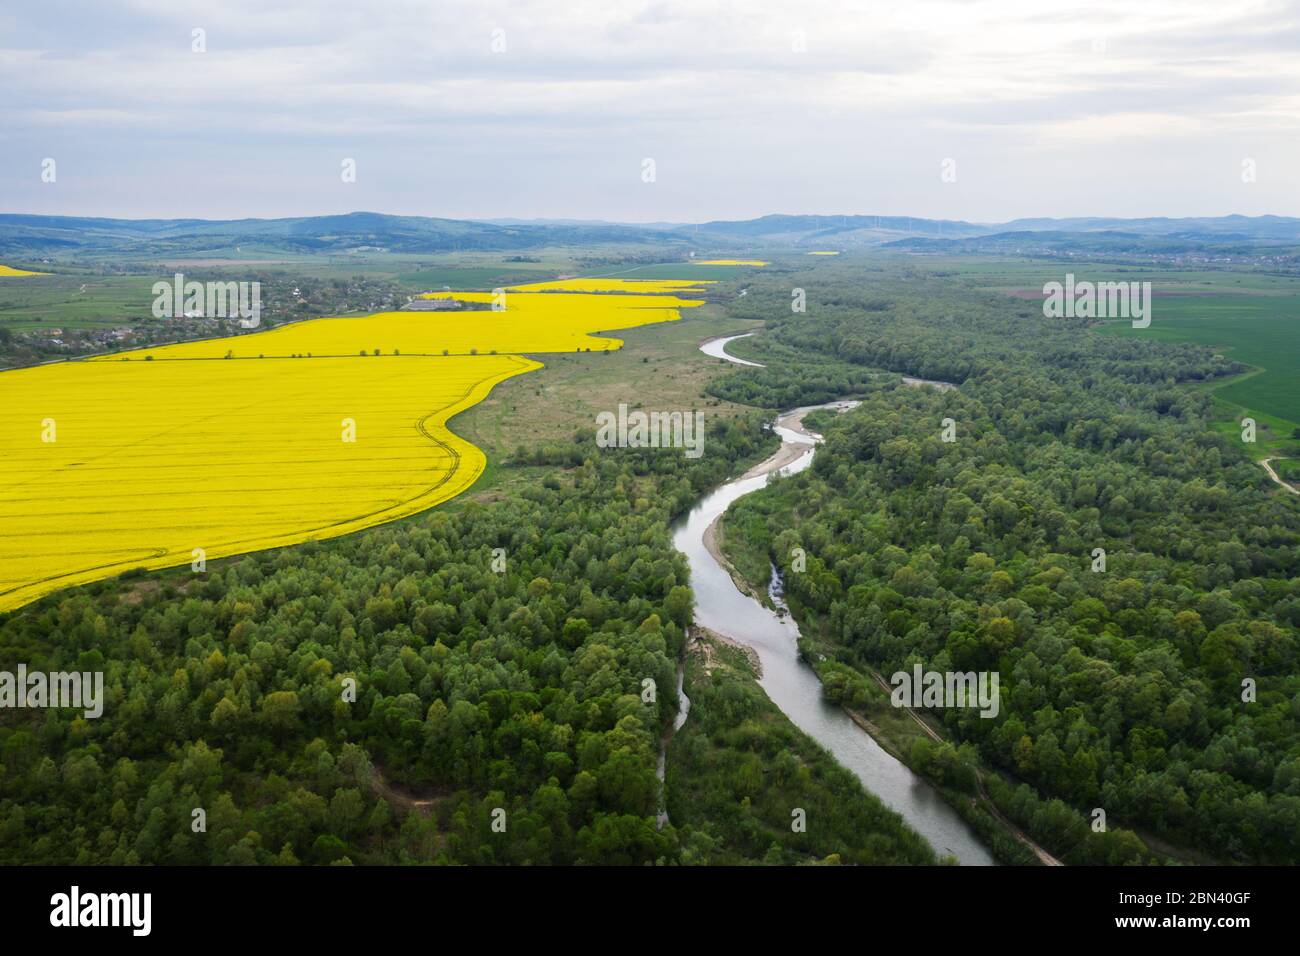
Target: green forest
[1125, 688]
[498, 655]
[469, 686]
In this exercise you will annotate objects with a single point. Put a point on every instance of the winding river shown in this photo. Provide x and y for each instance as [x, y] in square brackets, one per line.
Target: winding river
[718, 349]
[788, 680]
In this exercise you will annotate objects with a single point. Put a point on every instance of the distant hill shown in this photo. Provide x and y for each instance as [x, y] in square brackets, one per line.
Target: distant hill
[31, 236]
[904, 232]
[1110, 243]
[820, 230]
[1280, 228]
[27, 234]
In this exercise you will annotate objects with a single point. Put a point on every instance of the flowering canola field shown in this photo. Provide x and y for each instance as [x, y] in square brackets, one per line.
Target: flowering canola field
[7, 272]
[532, 321]
[635, 286]
[159, 457]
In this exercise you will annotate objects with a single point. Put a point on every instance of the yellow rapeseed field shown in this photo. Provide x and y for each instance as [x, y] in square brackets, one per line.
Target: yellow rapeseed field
[530, 322]
[824, 252]
[637, 286]
[729, 262]
[8, 272]
[138, 459]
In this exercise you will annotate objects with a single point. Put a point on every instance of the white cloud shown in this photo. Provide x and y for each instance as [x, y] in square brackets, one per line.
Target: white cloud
[1028, 97]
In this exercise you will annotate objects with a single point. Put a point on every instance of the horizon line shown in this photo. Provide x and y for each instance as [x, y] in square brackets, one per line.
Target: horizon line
[651, 223]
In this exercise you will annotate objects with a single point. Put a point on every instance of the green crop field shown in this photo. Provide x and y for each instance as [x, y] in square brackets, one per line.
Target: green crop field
[1260, 329]
[74, 301]
[674, 270]
[474, 277]
[1251, 317]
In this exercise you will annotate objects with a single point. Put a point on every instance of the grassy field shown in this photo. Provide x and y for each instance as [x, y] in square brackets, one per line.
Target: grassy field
[673, 270]
[77, 297]
[1255, 327]
[1251, 317]
[75, 301]
[659, 366]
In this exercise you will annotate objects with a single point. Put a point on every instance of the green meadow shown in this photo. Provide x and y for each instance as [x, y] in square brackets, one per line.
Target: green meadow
[74, 301]
[1262, 330]
[1251, 317]
[1258, 328]
[674, 270]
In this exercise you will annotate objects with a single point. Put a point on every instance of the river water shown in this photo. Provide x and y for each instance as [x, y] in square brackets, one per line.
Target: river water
[718, 349]
[790, 682]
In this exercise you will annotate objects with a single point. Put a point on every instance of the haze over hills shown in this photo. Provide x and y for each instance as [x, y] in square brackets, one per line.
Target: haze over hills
[30, 234]
[23, 235]
[1257, 227]
[1101, 234]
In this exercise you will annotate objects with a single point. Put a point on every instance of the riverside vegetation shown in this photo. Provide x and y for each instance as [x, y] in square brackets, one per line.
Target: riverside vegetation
[480, 687]
[521, 690]
[1125, 689]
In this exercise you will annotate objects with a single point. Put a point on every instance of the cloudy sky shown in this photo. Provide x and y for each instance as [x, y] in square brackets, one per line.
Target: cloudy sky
[548, 108]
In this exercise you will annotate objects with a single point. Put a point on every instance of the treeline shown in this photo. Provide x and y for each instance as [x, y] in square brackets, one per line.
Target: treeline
[517, 690]
[478, 684]
[316, 702]
[744, 784]
[791, 379]
[967, 782]
[1122, 683]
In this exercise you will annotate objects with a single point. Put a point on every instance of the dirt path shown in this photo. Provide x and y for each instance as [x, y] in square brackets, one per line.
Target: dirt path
[1278, 478]
[918, 382]
[1043, 856]
[929, 731]
[400, 796]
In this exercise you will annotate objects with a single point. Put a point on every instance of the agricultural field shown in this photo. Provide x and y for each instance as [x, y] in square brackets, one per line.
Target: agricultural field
[1250, 317]
[637, 286]
[1256, 327]
[80, 297]
[1259, 326]
[74, 301]
[669, 270]
[304, 432]
[530, 322]
[148, 461]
